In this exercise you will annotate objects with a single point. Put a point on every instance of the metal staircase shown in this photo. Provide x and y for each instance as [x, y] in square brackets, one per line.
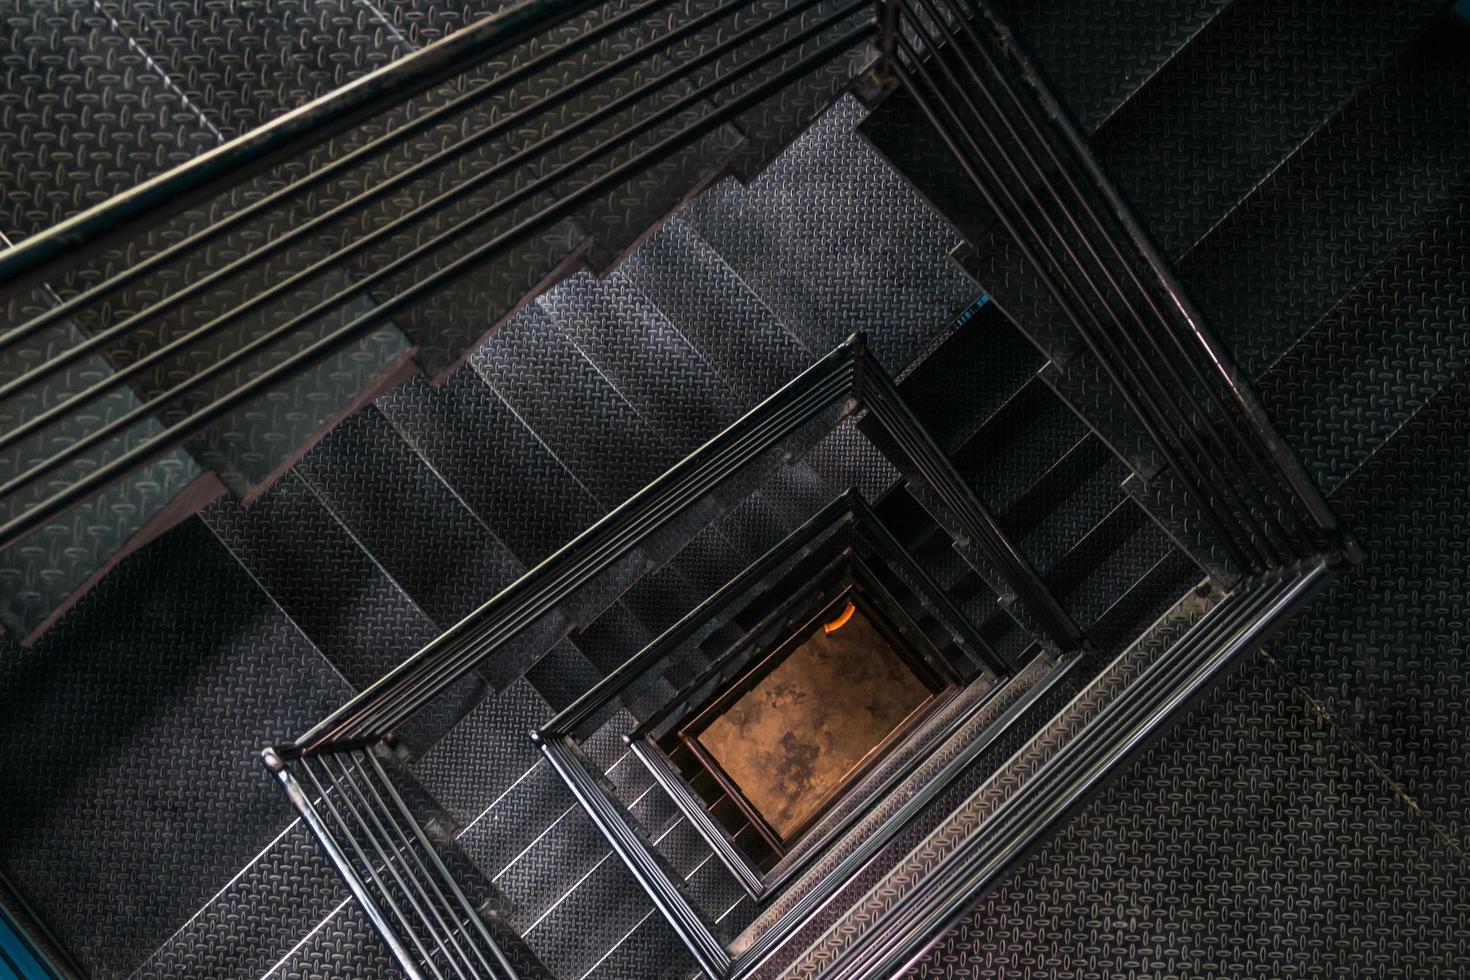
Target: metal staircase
[505, 489]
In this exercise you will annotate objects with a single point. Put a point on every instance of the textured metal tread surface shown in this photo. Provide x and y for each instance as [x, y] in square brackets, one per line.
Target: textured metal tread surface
[1249, 842]
[140, 716]
[230, 938]
[576, 933]
[376, 485]
[529, 497]
[340, 946]
[1100, 61]
[461, 775]
[49, 569]
[1000, 771]
[253, 446]
[1381, 355]
[835, 242]
[650, 951]
[733, 329]
[252, 60]
[339, 596]
[572, 407]
[1383, 651]
[1018, 444]
[966, 379]
[86, 114]
[661, 375]
[1275, 75]
[1383, 170]
[1096, 63]
[422, 22]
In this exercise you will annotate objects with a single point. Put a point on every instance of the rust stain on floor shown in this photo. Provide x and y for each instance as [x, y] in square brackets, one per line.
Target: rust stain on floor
[791, 740]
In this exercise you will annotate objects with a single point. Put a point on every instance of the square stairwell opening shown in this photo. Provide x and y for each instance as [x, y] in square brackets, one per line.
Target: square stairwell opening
[777, 748]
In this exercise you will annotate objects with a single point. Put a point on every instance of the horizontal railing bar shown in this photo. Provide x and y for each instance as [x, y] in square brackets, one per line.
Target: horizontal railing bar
[641, 525]
[344, 333]
[630, 670]
[1138, 398]
[439, 866]
[1090, 756]
[977, 650]
[261, 205]
[169, 437]
[884, 400]
[288, 133]
[689, 925]
[1230, 465]
[452, 195]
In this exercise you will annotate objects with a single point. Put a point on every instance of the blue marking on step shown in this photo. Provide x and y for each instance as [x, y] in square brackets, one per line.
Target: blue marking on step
[973, 308]
[16, 958]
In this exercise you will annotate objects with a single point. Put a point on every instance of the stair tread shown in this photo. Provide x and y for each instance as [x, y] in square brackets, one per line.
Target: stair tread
[716, 311]
[228, 939]
[342, 945]
[835, 242]
[146, 674]
[465, 778]
[1290, 69]
[1361, 189]
[568, 848]
[121, 150]
[1018, 444]
[1278, 74]
[961, 384]
[346, 604]
[576, 934]
[540, 374]
[1100, 61]
[1399, 338]
[377, 486]
[53, 566]
[529, 498]
[650, 951]
[645, 357]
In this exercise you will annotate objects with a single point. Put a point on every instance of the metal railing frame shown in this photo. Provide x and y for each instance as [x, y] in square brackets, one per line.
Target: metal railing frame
[431, 927]
[848, 375]
[1194, 663]
[1108, 277]
[848, 510]
[715, 109]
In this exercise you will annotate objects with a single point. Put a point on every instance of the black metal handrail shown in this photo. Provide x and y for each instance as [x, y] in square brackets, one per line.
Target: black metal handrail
[393, 870]
[703, 105]
[558, 742]
[1025, 157]
[848, 376]
[287, 136]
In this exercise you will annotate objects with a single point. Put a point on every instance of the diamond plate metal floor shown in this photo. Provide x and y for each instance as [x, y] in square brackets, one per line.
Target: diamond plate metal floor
[1294, 786]
[139, 718]
[1251, 842]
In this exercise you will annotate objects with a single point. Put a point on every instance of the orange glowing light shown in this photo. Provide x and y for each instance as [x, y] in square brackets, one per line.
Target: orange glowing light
[840, 621]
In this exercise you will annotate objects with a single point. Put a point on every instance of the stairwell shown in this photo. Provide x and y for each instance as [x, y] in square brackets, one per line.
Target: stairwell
[1304, 168]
